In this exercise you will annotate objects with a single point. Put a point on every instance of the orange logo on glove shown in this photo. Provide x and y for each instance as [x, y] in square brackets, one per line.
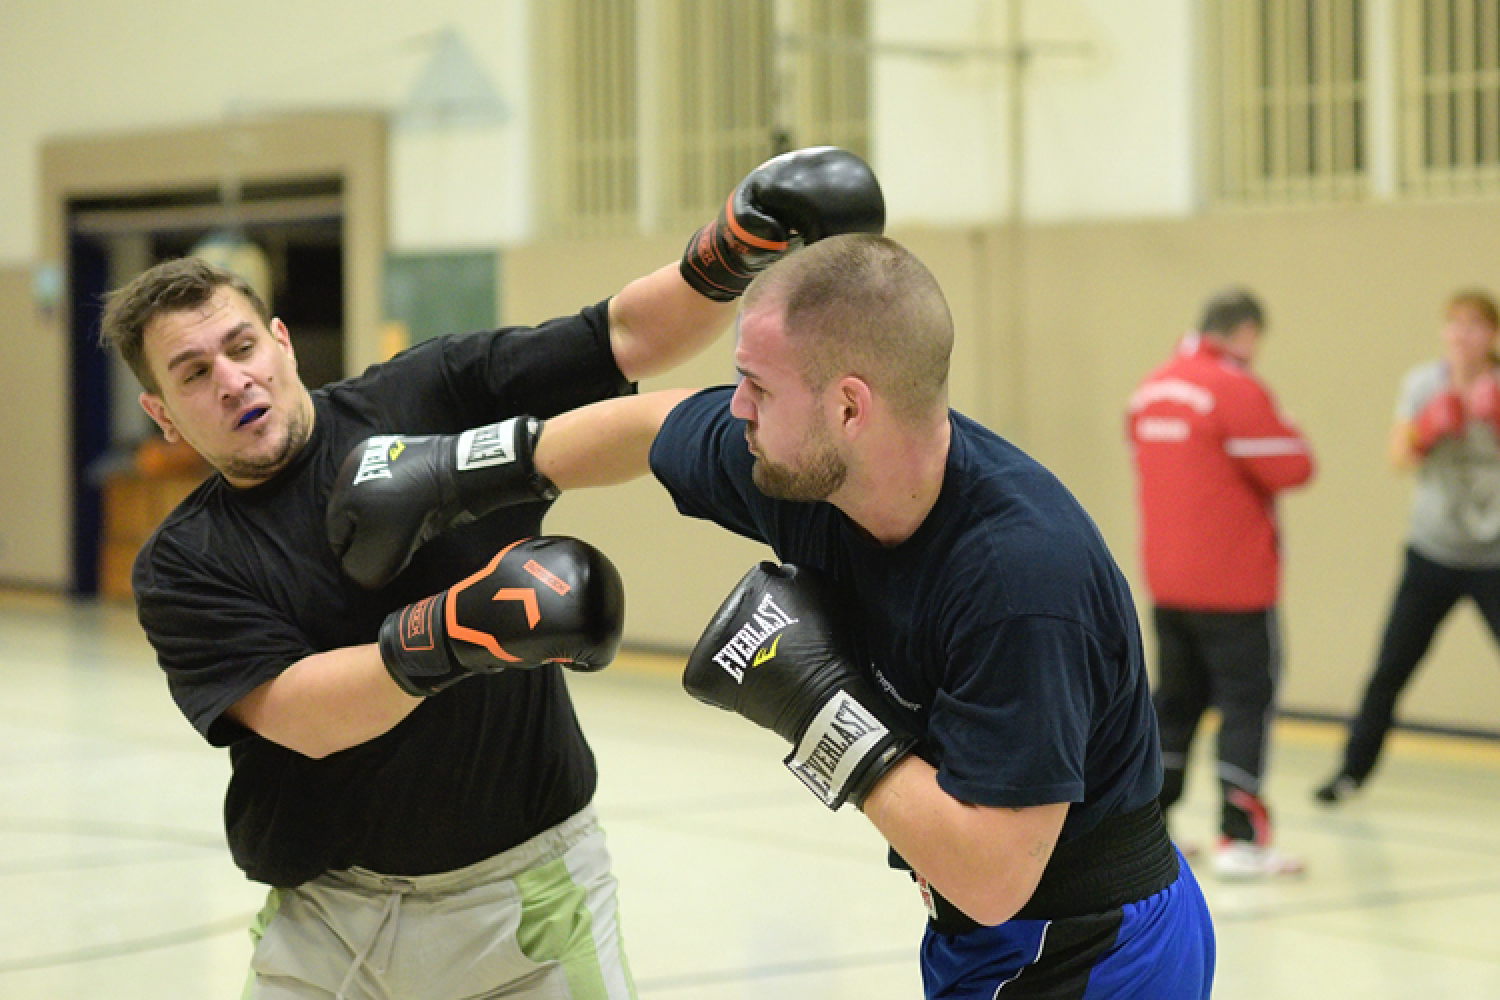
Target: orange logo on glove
[548, 577]
[483, 639]
[527, 597]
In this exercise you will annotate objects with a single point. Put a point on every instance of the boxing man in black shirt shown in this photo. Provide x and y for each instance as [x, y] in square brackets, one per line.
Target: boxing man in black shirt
[408, 772]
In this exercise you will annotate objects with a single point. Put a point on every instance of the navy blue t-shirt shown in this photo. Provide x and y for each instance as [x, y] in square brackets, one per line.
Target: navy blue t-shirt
[1002, 628]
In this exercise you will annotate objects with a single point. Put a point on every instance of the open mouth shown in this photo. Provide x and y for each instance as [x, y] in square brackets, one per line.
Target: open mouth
[251, 415]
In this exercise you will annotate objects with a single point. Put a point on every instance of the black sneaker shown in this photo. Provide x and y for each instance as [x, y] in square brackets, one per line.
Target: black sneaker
[1342, 787]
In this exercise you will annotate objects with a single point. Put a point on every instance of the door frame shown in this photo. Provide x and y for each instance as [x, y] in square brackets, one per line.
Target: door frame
[351, 146]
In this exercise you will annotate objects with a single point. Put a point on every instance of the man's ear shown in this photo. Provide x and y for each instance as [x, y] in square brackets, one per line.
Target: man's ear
[157, 411]
[283, 336]
[854, 401]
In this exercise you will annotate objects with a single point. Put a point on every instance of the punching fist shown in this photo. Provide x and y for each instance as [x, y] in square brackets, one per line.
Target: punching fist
[540, 600]
[806, 194]
[776, 653]
[1442, 417]
[393, 492]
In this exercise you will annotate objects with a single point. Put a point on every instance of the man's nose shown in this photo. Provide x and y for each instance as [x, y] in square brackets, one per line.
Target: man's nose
[739, 403]
[232, 379]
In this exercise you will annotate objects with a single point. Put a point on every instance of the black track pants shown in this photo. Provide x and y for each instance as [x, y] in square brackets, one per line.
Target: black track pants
[1228, 660]
[1427, 593]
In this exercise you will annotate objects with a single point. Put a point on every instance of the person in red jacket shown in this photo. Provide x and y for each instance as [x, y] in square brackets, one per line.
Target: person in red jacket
[1212, 451]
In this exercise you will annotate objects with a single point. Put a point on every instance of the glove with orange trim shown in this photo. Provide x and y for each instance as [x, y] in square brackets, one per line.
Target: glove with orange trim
[797, 197]
[540, 600]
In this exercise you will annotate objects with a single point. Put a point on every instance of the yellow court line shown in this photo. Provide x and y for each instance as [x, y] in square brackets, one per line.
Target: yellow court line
[1432, 746]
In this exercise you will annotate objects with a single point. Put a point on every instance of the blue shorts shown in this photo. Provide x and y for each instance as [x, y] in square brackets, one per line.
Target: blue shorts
[1161, 948]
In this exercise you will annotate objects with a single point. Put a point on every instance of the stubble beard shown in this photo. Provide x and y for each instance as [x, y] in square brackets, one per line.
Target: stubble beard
[298, 431]
[815, 479]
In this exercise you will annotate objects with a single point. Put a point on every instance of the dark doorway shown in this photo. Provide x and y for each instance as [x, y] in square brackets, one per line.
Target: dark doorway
[88, 267]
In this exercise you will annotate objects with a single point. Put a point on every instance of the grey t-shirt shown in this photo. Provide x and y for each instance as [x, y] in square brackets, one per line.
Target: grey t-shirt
[1455, 511]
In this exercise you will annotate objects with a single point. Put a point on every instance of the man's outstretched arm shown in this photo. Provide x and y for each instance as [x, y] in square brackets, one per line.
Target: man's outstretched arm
[395, 492]
[659, 321]
[604, 443]
[666, 317]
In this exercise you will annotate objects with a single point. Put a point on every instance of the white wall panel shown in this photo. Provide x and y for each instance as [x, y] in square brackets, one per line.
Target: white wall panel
[1110, 106]
[1109, 134]
[74, 68]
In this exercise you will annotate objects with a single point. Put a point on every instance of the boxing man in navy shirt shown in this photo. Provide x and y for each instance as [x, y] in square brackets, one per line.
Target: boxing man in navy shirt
[947, 643]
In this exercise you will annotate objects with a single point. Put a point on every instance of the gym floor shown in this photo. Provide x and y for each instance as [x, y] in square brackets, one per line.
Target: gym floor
[115, 881]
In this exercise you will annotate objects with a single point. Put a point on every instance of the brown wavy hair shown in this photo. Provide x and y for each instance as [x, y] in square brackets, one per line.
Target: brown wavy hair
[176, 285]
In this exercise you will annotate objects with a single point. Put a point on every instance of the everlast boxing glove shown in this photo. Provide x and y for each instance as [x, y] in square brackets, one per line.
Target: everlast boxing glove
[804, 195]
[394, 493]
[540, 600]
[775, 653]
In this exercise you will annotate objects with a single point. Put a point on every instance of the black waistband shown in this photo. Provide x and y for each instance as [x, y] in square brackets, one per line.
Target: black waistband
[1124, 859]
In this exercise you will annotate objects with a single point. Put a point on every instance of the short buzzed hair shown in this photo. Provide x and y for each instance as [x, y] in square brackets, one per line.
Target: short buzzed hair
[1224, 313]
[859, 304]
[172, 286]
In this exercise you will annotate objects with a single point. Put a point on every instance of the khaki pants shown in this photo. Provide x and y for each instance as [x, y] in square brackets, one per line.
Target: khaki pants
[538, 921]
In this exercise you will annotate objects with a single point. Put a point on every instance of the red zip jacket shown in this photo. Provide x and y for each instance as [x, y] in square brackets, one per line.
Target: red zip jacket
[1211, 453]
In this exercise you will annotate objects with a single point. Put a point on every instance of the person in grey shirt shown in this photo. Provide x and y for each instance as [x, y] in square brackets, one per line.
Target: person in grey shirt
[1447, 431]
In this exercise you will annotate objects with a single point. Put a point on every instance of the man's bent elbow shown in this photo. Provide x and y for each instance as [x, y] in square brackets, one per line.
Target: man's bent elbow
[990, 902]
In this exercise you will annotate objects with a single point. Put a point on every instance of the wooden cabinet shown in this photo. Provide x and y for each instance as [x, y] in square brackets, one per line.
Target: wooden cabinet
[134, 504]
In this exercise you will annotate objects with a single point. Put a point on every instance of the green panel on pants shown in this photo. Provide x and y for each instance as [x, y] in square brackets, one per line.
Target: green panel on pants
[257, 931]
[539, 921]
[557, 922]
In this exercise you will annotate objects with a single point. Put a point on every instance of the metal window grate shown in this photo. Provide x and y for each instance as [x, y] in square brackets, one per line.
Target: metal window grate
[591, 123]
[825, 74]
[1291, 102]
[1451, 96]
[717, 59]
[652, 110]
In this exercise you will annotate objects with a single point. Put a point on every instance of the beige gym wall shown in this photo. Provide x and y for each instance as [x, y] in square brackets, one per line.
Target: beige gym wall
[34, 424]
[1354, 297]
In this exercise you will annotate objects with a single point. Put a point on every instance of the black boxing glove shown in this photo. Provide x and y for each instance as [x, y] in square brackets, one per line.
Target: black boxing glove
[394, 493]
[776, 653]
[804, 195]
[540, 600]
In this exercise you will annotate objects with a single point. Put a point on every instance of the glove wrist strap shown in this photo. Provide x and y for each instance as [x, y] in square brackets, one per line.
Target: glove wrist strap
[494, 466]
[845, 750]
[414, 648]
[722, 259]
[704, 268]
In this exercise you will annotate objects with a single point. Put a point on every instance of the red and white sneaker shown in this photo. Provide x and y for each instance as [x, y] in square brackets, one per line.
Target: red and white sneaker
[1243, 861]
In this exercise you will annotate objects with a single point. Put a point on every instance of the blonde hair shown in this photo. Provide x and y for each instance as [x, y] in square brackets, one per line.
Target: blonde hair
[1477, 300]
